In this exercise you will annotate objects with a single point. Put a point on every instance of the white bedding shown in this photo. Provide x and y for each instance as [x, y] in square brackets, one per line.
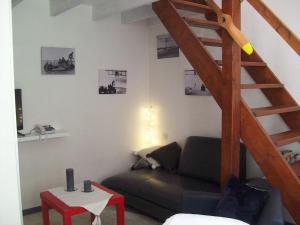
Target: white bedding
[192, 219]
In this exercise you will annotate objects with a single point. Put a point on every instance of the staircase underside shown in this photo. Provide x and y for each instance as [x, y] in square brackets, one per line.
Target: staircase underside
[261, 145]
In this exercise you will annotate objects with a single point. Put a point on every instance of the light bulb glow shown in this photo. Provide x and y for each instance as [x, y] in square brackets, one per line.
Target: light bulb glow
[150, 127]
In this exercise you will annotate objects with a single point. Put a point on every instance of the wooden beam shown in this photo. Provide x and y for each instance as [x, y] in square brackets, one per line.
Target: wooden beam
[271, 110]
[231, 96]
[199, 57]
[195, 22]
[286, 138]
[211, 42]
[270, 160]
[246, 63]
[283, 30]
[191, 6]
[278, 96]
[274, 166]
[262, 147]
[261, 86]
[296, 168]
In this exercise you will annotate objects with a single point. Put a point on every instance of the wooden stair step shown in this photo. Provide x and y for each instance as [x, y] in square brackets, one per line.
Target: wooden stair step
[211, 42]
[264, 111]
[246, 63]
[261, 86]
[254, 136]
[191, 6]
[296, 168]
[202, 2]
[202, 23]
[286, 138]
[198, 1]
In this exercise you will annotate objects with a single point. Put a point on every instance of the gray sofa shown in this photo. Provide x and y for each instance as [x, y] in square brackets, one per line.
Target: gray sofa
[161, 194]
[205, 203]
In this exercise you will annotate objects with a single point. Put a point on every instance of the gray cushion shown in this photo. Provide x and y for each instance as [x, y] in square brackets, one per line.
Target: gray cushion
[167, 156]
[201, 158]
[158, 186]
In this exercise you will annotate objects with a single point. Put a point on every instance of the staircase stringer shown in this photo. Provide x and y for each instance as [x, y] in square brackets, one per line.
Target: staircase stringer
[253, 134]
[192, 48]
[266, 153]
[278, 97]
[271, 161]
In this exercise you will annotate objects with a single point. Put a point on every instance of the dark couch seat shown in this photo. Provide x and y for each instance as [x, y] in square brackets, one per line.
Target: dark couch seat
[193, 189]
[158, 186]
[160, 194]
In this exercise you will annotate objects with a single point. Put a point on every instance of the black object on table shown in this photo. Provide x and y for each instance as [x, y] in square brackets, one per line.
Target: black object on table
[20, 134]
[87, 186]
[70, 179]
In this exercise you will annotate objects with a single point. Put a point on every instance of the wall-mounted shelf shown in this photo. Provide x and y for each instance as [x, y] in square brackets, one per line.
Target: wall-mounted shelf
[36, 137]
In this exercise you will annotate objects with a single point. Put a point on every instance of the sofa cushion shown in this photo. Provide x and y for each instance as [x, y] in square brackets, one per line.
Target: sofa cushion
[141, 164]
[167, 156]
[241, 202]
[143, 152]
[158, 186]
[201, 158]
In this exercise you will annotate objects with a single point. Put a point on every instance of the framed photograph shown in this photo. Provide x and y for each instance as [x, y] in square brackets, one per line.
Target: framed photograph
[194, 85]
[112, 81]
[58, 61]
[166, 47]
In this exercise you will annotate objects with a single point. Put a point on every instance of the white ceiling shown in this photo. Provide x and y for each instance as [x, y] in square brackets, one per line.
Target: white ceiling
[15, 2]
[104, 8]
[100, 8]
[131, 10]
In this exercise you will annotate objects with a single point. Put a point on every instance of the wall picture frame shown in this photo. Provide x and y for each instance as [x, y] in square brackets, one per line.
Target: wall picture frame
[166, 47]
[58, 61]
[112, 81]
[194, 85]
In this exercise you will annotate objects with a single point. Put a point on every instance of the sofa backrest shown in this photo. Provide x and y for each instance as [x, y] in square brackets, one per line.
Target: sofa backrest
[201, 158]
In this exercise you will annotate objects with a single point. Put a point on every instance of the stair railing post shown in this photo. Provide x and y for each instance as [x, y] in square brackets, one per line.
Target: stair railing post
[231, 76]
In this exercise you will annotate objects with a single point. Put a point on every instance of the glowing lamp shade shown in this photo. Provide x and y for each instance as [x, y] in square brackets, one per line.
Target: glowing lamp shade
[150, 137]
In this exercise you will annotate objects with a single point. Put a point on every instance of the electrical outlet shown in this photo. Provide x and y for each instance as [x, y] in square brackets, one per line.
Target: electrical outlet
[165, 136]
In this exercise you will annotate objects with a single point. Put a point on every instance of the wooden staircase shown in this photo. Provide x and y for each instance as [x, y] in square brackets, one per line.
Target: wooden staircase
[263, 146]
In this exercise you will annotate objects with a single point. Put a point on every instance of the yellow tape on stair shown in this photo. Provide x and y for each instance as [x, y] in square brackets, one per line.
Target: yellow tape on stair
[248, 48]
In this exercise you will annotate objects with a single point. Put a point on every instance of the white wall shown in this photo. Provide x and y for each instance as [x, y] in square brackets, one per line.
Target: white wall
[182, 115]
[104, 129]
[282, 59]
[284, 62]
[277, 53]
[10, 209]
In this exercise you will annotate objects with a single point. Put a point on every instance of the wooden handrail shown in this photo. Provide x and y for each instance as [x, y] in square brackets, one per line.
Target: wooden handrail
[282, 29]
[226, 22]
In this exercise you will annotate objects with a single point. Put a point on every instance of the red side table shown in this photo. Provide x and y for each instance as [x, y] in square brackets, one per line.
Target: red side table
[50, 201]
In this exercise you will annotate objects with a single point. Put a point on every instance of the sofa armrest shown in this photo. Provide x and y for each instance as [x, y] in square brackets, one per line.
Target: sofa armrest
[272, 212]
[196, 202]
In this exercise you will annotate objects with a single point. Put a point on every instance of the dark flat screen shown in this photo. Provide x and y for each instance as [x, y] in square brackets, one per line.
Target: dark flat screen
[19, 109]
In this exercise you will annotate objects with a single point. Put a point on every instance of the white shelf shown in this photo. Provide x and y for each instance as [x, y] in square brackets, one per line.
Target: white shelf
[36, 137]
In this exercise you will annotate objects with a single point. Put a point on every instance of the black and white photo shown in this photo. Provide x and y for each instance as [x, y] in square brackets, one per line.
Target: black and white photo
[58, 61]
[194, 85]
[112, 81]
[166, 47]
